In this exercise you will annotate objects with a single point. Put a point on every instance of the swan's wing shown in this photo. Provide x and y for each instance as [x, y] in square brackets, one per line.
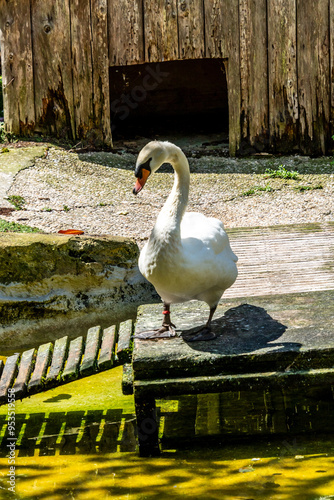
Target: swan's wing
[208, 230]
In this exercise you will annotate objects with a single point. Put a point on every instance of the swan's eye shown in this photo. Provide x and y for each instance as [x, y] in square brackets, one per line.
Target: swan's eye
[139, 168]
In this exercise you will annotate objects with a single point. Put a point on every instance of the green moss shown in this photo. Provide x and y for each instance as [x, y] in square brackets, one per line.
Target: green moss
[13, 227]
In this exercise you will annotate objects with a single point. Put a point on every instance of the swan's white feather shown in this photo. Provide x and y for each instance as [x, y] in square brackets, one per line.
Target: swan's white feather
[192, 262]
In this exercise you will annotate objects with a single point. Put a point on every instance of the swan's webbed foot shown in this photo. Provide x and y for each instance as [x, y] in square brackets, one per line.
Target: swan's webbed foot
[203, 334]
[164, 332]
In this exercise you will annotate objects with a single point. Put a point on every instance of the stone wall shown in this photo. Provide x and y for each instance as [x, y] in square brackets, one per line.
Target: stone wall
[55, 285]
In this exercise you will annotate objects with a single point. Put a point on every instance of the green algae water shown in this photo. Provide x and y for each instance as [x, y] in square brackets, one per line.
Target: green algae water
[79, 442]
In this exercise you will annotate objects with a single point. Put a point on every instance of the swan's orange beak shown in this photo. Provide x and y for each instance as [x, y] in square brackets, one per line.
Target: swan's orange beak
[140, 182]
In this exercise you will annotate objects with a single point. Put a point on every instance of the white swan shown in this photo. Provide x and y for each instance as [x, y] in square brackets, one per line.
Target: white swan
[188, 256]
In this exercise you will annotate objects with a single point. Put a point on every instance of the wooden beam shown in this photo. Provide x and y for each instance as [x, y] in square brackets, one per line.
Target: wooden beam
[283, 85]
[17, 67]
[126, 32]
[161, 32]
[53, 67]
[313, 75]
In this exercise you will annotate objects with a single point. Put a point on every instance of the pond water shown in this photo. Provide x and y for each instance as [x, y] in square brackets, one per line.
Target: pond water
[78, 442]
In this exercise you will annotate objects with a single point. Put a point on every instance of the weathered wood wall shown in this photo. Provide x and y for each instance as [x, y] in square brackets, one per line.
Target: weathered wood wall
[278, 56]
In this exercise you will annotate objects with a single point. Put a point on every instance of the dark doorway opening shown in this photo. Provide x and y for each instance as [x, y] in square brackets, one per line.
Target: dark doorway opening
[187, 97]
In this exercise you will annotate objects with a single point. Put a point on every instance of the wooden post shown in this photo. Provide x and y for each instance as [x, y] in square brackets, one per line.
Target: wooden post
[283, 85]
[17, 67]
[147, 426]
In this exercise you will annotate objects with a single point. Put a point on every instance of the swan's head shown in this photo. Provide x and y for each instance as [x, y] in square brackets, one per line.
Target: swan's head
[150, 158]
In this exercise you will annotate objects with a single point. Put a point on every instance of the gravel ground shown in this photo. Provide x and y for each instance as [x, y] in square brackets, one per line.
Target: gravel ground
[93, 192]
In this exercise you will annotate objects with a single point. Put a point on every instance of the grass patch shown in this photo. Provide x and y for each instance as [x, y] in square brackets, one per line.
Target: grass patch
[281, 173]
[256, 189]
[308, 188]
[13, 227]
[17, 201]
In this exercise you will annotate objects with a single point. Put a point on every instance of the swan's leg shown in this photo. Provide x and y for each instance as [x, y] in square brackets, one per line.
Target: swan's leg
[166, 330]
[204, 333]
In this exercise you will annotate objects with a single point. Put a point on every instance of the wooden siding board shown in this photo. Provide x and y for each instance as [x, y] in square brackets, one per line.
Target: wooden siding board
[53, 67]
[283, 85]
[161, 30]
[331, 51]
[17, 67]
[313, 75]
[100, 61]
[221, 25]
[191, 29]
[82, 66]
[216, 29]
[126, 32]
[253, 75]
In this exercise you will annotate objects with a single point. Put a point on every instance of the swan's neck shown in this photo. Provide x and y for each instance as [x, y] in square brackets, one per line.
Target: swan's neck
[167, 227]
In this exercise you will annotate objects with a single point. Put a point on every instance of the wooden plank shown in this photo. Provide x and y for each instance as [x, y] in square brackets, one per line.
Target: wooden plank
[107, 348]
[100, 73]
[283, 85]
[8, 375]
[216, 29]
[190, 20]
[25, 368]
[93, 341]
[331, 69]
[82, 67]
[126, 32]
[253, 75]
[221, 27]
[17, 67]
[73, 362]
[264, 253]
[241, 381]
[43, 358]
[124, 347]
[58, 361]
[52, 67]
[313, 75]
[161, 30]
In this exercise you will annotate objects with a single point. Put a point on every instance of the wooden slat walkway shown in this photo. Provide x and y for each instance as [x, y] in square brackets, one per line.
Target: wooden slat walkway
[283, 259]
[61, 362]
